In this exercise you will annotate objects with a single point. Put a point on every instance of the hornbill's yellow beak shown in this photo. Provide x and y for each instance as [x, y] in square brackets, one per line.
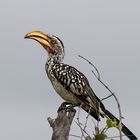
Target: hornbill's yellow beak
[42, 38]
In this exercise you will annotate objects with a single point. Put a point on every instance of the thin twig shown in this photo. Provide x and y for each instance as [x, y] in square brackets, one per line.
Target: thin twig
[118, 104]
[94, 125]
[96, 75]
[82, 127]
[71, 135]
[114, 137]
[86, 120]
[79, 124]
[104, 129]
[82, 130]
[106, 97]
[112, 93]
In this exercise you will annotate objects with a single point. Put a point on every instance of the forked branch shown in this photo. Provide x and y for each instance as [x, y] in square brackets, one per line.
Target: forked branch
[98, 77]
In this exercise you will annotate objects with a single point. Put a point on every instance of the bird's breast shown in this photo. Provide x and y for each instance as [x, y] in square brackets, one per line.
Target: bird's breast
[65, 93]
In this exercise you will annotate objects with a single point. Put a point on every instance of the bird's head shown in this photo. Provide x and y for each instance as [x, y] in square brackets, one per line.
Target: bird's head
[51, 43]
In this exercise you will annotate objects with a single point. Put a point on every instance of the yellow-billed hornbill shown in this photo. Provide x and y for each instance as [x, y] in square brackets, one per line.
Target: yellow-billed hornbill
[70, 83]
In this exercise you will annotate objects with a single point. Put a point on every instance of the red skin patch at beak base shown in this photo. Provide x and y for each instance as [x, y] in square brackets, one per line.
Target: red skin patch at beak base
[52, 50]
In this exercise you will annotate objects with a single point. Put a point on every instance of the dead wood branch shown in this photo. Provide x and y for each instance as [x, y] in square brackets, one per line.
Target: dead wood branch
[61, 125]
[97, 75]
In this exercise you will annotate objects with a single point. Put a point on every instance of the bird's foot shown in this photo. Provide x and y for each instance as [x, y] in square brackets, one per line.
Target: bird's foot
[66, 106]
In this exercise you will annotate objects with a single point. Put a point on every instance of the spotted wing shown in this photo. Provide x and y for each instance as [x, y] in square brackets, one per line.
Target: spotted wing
[74, 81]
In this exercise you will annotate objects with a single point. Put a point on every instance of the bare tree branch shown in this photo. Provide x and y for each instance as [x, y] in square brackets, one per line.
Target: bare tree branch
[83, 131]
[112, 93]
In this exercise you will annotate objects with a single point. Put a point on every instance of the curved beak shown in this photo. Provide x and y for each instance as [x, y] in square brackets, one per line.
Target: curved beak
[40, 37]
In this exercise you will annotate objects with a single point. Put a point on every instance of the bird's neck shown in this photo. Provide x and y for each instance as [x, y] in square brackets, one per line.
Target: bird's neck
[53, 59]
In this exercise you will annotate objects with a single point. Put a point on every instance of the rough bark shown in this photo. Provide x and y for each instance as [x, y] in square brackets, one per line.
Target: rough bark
[61, 125]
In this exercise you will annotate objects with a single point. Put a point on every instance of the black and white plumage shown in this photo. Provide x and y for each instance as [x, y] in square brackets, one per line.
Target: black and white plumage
[73, 87]
[70, 83]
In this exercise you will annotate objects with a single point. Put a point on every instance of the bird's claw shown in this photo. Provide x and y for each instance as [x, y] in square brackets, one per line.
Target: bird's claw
[66, 106]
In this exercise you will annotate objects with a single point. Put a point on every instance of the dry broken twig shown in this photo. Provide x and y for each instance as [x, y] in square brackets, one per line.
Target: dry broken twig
[97, 75]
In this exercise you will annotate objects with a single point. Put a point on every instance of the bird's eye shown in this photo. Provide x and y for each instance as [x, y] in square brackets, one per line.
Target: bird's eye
[53, 41]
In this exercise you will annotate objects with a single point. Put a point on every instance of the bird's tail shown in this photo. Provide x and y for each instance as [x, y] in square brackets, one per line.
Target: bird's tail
[124, 129]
